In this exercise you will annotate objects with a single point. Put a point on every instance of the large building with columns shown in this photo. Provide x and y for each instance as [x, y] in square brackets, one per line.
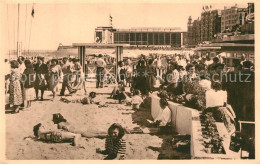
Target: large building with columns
[161, 37]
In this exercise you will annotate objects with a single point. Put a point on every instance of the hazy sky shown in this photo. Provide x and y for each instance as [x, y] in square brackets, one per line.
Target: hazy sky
[69, 23]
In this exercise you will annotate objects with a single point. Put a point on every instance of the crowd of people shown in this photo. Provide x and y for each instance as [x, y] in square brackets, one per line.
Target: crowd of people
[24, 75]
[191, 80]
[91, 59]
[200, 82]
[180, 76]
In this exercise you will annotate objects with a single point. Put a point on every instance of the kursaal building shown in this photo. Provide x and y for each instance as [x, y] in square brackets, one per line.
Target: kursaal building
[161, 37]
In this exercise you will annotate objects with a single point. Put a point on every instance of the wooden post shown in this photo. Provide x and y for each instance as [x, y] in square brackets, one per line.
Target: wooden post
[119, 57]
[181, 39]
[81, 55]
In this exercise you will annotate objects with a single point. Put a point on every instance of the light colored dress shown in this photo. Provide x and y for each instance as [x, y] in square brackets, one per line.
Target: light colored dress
[55, 74]
[16, 97]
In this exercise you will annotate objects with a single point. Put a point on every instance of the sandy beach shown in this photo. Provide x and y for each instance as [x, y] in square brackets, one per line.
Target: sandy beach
[91, 117]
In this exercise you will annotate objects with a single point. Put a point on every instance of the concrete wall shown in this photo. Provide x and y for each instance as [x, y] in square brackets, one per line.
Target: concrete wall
[181, 116]
[186, 121]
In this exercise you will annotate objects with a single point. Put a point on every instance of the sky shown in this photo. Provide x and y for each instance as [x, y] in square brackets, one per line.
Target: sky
[68, 23]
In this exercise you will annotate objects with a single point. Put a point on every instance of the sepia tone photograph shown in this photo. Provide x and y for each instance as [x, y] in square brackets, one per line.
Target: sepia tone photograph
[128, 80]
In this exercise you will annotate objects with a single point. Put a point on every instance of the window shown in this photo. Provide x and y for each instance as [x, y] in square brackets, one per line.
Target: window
[144, 38]
[115, 37]
[156, 35]
[127, 37]
[138, 36]
[150, 38]
[161, 39]
[99, 36]
[132, 38]
[167, 38]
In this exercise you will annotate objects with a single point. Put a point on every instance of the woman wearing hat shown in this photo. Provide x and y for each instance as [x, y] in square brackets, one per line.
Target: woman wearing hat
[55, 73]
[16, 97]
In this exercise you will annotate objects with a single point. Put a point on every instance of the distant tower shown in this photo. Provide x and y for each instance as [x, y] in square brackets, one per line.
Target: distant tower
[189, 21]
[189, 28]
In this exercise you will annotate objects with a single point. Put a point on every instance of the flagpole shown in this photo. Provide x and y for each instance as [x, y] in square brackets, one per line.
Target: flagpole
[32, 14]
[25, 30]
[18, 31]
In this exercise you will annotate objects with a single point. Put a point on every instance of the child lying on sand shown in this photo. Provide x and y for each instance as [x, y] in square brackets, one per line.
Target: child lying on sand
[55, 136]
[85, 100]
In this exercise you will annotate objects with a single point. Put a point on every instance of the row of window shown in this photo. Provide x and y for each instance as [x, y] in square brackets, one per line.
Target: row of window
[229, 22]
[148, 38]
[235, 16]
[228, 12]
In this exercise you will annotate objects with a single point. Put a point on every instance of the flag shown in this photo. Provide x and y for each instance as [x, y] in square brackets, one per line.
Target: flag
[110, 19]
[32, 12]
[203, 8]
[210, 6]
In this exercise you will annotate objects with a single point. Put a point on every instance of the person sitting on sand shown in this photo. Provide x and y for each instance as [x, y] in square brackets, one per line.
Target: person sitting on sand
[55, 136]
[136, 100]
[115, 146]
[118, 92]
[164, 116]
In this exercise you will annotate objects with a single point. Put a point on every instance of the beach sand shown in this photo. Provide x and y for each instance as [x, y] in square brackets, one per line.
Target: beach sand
[21, 145]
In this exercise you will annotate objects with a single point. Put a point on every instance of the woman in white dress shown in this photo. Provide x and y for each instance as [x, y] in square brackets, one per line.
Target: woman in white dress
[55, 73]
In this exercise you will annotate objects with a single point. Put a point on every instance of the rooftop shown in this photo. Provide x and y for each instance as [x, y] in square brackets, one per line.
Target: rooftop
[152, 29]
[98, 45]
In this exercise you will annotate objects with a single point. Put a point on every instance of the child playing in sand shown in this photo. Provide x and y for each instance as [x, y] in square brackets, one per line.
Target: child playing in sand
[136, 100]
[115, 146]
[55, 136]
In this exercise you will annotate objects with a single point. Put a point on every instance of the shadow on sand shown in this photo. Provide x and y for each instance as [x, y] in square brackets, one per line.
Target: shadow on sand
[166, 151]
